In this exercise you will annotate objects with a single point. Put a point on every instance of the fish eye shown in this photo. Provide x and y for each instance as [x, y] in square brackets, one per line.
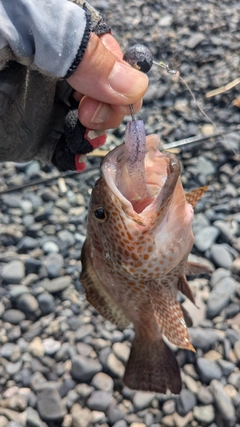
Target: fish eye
[100, 214]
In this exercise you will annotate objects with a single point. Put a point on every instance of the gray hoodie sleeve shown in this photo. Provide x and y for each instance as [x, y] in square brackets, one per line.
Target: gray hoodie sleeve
[49, 35]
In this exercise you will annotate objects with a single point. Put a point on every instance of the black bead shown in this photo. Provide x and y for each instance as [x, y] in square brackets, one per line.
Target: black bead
[139, 57]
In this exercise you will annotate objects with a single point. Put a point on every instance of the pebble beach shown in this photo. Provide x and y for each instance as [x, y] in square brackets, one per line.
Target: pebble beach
[61, 363]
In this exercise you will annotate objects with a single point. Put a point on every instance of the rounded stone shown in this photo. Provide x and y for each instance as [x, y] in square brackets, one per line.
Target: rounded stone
[13, 272]
[27, 303]
[208, 370]
[83, 368]
[221, 256]
[102, 381]
[220, 296]
[58, 285]
[204, 414]
[13, 316]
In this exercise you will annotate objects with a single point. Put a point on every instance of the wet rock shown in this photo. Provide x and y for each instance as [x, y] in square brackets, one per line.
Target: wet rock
[218, 275]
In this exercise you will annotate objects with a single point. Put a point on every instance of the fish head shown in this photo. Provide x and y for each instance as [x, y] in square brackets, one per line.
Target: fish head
[141, 235]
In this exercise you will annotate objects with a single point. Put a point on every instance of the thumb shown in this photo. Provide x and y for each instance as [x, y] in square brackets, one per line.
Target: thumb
[104, 77]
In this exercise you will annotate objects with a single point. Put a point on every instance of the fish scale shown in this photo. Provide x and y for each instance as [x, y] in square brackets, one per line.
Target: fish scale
[134, 261]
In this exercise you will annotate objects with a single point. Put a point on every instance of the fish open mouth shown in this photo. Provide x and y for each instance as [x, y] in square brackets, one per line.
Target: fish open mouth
[141, 181]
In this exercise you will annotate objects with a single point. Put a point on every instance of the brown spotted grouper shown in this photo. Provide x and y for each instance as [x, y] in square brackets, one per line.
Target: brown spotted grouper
[134, 260]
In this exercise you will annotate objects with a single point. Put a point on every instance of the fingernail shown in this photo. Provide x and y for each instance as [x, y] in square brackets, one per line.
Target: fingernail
[102, 114]
[127, 81]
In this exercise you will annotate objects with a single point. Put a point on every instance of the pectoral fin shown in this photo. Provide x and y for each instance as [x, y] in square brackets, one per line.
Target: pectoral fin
[96, 294]
[196, 268]
[169, 315]
[184, 287]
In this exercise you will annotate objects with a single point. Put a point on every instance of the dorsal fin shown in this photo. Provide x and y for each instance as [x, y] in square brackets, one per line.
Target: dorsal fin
[194, 195]
[169, 315]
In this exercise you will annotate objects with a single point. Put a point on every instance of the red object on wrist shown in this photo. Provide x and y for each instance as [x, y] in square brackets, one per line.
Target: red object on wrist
[80, 164]
[95, 137]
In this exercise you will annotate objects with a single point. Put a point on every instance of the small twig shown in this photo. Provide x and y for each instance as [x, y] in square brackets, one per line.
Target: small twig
[223, 89]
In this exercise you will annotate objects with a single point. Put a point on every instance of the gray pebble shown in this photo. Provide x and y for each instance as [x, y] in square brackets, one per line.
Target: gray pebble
[67, 237]
[99, 400]
[13, 368]
[185, 402]
[220, 296]
[54, 263]
[219, 274]
[27, 243]
[13, 272]
[27, 303]
[49, 404]
[83, 331]
[142, 400]
[194, 40]
[83, 368]
[204, 414]
[102, 381]
[57, 285]
[50, 246]
[205, 396]
[33, 419]
[17, 290]
[13, 316]
[203, 338]
[206, 237]
[221, 256]
[46, 303]
[223, 402]
[208, 370]
[51, 346]
[226, 367]
[122, 351]
[10, 352]
[120, 423]
[205, 166]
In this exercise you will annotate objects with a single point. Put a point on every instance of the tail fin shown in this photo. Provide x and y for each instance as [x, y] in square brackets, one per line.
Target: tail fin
[152, 367]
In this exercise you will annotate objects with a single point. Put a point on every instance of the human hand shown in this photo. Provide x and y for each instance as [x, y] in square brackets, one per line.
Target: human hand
[105, 85]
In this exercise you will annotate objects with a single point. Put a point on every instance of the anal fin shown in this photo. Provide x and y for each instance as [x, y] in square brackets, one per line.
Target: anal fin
[96, 295]
[152, 367]
[169, 315]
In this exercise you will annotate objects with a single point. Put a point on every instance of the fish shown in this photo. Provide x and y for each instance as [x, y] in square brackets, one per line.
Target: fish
[135, 256]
